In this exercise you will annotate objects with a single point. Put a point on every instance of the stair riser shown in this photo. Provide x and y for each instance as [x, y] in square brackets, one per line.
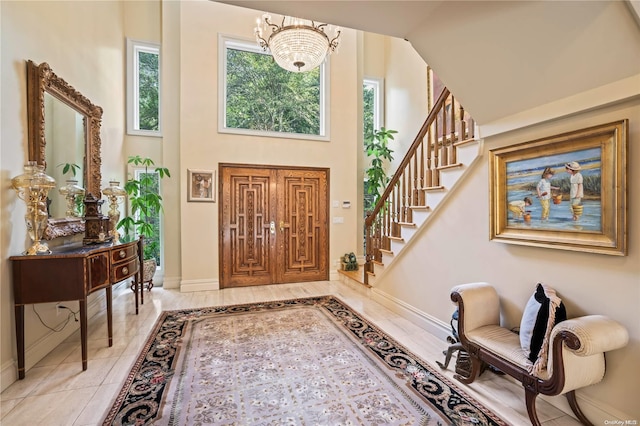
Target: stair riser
[451, 176]
[408, 232]
[467, 153]
[397, 246]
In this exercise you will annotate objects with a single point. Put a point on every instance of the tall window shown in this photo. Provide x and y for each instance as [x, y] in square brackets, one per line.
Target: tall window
[263, 99]
[152, 247]
[372, 115]
[143, 88]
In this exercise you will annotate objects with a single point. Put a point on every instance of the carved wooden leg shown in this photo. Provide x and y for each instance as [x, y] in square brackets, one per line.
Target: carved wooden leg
[573, 403]
[475, 369]
[448, 353]
[530, 397]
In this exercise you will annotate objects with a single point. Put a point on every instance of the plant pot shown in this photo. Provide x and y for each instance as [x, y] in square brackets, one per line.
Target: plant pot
[149, 267]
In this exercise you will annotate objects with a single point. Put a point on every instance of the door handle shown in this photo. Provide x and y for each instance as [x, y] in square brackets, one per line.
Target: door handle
[272, 227]
[281, 226]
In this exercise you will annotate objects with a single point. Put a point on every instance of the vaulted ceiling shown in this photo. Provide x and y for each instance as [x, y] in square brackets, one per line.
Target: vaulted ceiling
[499, 58]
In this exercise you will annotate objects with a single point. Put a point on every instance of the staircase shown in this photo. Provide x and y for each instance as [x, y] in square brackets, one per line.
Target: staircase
[441, 153]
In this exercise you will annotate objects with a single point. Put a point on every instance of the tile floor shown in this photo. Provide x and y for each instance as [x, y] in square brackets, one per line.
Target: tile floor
[57, 392]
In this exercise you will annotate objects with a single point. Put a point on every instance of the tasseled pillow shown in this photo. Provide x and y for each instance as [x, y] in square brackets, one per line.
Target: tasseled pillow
[543, 311]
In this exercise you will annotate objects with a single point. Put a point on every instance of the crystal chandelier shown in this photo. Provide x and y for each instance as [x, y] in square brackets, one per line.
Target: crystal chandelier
[297, 45]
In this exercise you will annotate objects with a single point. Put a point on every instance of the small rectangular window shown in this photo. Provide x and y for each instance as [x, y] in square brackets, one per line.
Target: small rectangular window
[260, 98]
[373, 101]
[143, 88]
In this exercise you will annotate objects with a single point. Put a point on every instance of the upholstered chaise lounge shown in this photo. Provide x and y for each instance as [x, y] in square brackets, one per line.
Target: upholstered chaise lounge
[576, 348]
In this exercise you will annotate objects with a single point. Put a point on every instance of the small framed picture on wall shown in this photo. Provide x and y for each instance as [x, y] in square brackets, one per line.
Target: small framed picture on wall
[201, 185]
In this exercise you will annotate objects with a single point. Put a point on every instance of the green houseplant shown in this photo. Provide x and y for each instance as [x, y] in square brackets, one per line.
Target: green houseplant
[145, 207]
[376, 144]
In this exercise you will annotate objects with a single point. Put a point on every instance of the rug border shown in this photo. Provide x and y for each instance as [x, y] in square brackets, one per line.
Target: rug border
[113, 409]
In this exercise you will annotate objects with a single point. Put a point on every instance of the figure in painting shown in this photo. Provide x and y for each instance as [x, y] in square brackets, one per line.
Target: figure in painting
[517, 207]
[577, 189]
[203, 186]
[544, 191]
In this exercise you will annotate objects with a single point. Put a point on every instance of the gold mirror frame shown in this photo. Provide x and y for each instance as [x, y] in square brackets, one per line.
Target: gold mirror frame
[41, 79]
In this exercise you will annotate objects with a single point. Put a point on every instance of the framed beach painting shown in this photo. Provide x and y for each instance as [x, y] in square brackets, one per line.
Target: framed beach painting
[201, 185]
[567, 191]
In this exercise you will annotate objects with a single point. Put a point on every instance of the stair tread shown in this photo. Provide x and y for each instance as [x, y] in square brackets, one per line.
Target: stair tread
[407, 224]
[466, 141]
[450, 166]
[420, 207]
[385, 251]
[434, 188]
[378, 262]
[396, 239]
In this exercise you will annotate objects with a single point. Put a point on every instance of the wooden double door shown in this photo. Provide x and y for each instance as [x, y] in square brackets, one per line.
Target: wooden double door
[273, 225]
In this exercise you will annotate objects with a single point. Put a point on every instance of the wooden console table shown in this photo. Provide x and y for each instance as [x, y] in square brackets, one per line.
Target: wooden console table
[72, 273]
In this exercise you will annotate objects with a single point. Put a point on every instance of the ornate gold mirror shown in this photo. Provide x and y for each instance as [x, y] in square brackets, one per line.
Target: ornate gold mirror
[64, 128]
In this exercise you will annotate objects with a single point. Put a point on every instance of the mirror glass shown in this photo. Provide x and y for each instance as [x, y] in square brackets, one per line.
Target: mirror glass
[64, 133]
[64, 130]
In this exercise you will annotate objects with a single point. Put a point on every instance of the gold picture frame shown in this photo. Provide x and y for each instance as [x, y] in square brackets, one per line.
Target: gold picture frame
[587, 213]
[201, 185]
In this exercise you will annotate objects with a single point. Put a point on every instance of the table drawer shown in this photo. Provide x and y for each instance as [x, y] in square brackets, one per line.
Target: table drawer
[122, 253]
[124, 270]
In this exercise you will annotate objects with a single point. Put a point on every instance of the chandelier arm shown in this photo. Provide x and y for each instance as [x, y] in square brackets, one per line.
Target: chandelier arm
[273, 26]
[333, 44]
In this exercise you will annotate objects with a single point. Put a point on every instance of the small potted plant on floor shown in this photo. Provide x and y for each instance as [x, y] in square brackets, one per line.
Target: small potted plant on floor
[145, 207]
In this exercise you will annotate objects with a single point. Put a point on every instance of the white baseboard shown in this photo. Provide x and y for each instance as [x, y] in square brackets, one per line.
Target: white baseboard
[431, 324]
[41, 348]
[187, 286]
[171, 283]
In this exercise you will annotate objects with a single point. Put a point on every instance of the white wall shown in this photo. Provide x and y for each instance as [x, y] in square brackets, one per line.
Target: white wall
[202, 147]
[82, 42]
[458, 235]
[406, 96]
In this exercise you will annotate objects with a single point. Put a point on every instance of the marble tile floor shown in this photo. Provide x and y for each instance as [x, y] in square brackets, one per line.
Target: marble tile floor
[57, 392]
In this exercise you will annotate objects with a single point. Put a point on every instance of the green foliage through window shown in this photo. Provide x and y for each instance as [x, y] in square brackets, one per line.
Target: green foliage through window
[144, 95]
[368, 95]
[148, 79]
[264, 97]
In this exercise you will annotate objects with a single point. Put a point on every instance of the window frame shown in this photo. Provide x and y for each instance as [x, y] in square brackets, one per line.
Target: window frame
[134, 47]
[228, 41]
[378, 104]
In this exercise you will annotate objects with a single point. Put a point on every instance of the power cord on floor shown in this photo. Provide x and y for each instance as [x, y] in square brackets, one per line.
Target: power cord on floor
[59, 329]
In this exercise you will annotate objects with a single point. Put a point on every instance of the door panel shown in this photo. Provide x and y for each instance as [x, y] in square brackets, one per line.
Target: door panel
[302, 210]
[248, 206]
[294, 249]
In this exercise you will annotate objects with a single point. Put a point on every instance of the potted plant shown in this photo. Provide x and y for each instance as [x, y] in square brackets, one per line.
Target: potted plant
[145, 206]
[376, 144]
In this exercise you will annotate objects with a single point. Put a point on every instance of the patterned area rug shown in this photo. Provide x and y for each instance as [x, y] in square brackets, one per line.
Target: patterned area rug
[311, 361]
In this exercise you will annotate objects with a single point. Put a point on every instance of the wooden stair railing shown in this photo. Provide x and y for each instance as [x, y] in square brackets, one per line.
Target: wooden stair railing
[433, 149]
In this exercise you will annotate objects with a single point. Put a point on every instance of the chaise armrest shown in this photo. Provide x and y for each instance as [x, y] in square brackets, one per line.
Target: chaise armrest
[478, 304]
[594, 333]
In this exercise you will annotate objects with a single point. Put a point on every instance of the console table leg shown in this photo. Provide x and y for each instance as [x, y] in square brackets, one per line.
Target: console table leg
[109, 314]
[19, 311]
[83, 331]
